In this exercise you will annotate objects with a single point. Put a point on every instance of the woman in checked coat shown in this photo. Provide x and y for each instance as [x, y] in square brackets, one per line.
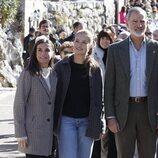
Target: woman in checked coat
[34, 102]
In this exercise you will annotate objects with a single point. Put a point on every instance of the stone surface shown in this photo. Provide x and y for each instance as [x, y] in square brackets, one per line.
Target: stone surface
[10, 58]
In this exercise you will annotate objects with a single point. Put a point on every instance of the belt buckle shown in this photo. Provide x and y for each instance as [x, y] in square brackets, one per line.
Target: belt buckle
[137, 99]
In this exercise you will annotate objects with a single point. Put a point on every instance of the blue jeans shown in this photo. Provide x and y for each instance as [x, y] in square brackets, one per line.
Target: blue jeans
[72, 140]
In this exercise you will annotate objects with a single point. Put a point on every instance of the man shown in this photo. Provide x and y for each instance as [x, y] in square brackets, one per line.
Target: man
[44, 29]
[27, 40]
[76, 27]
[155, 34]
[131, 89]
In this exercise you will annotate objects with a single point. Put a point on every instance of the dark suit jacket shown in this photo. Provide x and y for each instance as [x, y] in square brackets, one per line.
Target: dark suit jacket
[117, 81]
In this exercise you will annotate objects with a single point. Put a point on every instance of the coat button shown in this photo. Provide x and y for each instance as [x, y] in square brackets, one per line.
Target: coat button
[49, 102]
[48, 119]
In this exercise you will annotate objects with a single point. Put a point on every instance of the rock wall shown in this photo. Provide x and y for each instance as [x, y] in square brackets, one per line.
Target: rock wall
[10, 59]
[93, 14]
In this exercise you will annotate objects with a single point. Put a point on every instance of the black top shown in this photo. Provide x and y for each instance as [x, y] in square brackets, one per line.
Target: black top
[77, 101]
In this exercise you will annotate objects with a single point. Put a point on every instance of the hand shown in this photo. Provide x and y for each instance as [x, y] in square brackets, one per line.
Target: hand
[101, 136]
[113, 125]
[23, 143]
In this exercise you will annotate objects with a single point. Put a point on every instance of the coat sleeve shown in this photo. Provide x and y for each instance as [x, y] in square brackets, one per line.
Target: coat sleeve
[20, 103]
[109, 86]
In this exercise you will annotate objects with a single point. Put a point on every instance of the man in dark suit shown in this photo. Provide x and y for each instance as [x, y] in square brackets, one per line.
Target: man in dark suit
[131, 89]
[27, 40]
[76, 27]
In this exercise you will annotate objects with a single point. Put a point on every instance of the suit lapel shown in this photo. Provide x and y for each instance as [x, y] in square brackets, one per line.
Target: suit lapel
[53, 82]
[44, 84]
[150, 53]
[123, 52]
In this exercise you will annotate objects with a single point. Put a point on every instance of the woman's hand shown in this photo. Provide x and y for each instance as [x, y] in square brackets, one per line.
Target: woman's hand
[23, 143]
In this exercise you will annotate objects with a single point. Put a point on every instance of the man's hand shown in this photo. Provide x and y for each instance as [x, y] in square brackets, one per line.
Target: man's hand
[113, 125]
[23, 143]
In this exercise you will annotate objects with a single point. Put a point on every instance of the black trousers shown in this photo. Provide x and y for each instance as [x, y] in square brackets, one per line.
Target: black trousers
[108, 145]
[37, 156]
[54, 151]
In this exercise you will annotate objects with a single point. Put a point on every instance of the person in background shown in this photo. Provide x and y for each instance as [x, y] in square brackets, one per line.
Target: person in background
[34, 102]
[78, 105]
[155, 34]
[27, 40]
[45, 29]
[112, 31]
[154, 14]
[66, 49]
[149, 33]
[76, 27]
[104, 148]
[122, 15]
[62, 36]
[123, 35]
[131, 81]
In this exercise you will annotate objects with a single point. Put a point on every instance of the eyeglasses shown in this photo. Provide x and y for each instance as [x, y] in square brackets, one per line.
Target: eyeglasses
[44, 26]
[66, 52]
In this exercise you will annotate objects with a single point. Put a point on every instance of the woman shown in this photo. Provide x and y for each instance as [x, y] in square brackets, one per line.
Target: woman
[105, 148]
[34, 102]
[79, 100]
[122, 15]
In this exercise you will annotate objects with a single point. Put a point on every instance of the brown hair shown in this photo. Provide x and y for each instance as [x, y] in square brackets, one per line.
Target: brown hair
[89, 61]
[66, 44]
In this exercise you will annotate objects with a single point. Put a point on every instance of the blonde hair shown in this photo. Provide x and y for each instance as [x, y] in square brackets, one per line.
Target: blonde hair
[89, 61]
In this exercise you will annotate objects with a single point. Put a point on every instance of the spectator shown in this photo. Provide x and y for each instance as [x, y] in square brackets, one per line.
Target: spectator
[27, 40]
[45, 29]
[123, 35]
[122, 15]
[154, 14]
[66, 49]
[155, 34]
[104, 148]
[76, 27]
[62, 36]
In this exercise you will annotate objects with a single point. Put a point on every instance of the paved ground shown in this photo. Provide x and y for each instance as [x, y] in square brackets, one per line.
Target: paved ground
[8, 144]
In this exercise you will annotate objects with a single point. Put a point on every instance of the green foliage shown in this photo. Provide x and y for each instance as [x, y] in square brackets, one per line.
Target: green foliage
[8, 11]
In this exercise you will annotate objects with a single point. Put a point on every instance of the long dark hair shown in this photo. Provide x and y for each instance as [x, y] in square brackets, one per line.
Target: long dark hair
[34, 67]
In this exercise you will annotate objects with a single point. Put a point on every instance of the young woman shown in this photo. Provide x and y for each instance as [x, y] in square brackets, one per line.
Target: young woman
[79, 100]
[34, 102]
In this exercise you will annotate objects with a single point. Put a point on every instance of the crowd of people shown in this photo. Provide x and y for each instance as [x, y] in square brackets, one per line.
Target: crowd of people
[89, 95]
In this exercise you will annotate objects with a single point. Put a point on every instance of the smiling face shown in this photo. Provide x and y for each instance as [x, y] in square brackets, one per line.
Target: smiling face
[137, 23]
[44, 54]
[45, 29]
[82, 44]
[104, 42]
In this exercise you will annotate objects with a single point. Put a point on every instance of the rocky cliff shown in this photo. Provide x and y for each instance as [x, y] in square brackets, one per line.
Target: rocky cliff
[10, 58]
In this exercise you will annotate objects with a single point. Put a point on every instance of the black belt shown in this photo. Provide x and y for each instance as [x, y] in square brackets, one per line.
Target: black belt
[137, 99]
